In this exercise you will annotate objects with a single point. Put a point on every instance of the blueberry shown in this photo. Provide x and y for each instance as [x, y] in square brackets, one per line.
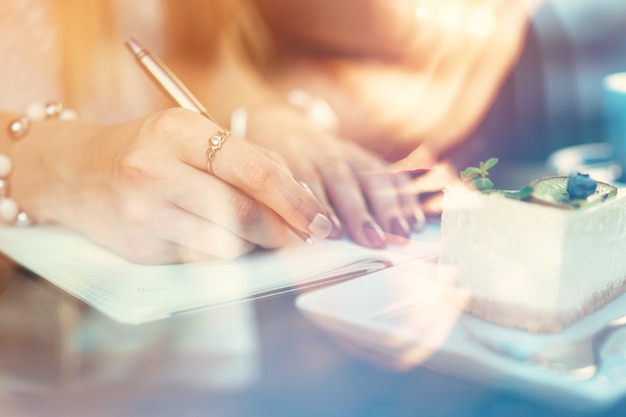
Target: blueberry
[580, 186]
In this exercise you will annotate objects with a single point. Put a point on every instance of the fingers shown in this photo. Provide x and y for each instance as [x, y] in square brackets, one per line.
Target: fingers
[165, 222]
[195, 238]
[166, 234]
[245, 167]
[430, 185]
[344, 192]
[410, 204]
[388, 195]
[211, 199]
[170, 248]
[250, 171]
[183, 224]
[311, 181]
[375, 205]
[384, 203]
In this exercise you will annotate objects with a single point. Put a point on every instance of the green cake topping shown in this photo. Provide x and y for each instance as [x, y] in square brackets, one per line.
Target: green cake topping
[560, 192]
[477, 176]
[575, 191]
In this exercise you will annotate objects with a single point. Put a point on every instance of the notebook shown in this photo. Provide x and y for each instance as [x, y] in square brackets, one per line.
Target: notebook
[134, 293]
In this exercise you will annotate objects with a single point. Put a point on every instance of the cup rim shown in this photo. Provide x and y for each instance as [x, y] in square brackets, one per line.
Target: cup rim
[616, 81]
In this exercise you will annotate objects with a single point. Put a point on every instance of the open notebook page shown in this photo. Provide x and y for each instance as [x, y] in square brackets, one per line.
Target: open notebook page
[135, 293]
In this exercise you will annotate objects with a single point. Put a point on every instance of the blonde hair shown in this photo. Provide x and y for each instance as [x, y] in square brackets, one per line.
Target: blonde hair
[194, 31]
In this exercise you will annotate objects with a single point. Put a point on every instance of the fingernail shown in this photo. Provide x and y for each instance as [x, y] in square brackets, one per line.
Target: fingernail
[400, 227]
[374, 235]
[320, 227]
[337, 231]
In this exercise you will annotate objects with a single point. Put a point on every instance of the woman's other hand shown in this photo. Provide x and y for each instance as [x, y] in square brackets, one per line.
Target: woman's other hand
[361, 194]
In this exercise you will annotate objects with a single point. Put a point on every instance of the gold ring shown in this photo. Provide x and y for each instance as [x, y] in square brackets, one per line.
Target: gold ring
[215, 143]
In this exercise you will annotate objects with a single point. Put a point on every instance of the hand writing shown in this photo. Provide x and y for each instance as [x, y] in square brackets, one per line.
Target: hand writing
[142, 189]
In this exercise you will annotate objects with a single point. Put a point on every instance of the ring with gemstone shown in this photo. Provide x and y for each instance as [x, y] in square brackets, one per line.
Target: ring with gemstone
[215, 143]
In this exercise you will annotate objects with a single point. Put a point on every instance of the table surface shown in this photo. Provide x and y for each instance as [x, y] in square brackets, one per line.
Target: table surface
[58, 357]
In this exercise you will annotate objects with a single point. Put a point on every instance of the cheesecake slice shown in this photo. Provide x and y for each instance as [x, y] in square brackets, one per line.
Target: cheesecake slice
[540, 264]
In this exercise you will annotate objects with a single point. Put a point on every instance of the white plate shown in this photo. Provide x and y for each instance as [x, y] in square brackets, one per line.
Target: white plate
[405, 314]
[594, 159]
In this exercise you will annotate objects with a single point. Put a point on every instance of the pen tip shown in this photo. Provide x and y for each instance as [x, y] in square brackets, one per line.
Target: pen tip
[133, 46]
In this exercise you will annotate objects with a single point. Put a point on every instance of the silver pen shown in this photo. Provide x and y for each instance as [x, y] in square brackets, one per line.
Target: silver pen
[166, 79]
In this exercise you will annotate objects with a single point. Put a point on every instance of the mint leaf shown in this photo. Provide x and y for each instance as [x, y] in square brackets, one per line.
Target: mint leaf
[478, 175]
[490, 163]
[470, 173]
[522, 194]
[483, 183]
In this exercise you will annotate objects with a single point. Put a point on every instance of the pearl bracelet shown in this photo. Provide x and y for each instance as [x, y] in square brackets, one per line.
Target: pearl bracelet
[10, 211]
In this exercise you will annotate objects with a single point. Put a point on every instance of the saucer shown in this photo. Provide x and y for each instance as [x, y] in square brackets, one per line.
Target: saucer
[594, 159]
[403, 314]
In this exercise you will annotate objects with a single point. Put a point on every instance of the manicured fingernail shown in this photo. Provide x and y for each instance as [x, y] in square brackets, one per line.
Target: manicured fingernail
[399, 227]
[374, 235]
[337, 232]
[320, 227]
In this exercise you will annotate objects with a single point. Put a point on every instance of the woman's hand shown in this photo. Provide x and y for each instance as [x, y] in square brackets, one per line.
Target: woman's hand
[373, 205]
[143, 189]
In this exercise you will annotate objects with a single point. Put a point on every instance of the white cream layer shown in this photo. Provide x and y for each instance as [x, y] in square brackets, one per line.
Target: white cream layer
[534, 256]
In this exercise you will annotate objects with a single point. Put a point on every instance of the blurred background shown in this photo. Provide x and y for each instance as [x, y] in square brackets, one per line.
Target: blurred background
[552, 99]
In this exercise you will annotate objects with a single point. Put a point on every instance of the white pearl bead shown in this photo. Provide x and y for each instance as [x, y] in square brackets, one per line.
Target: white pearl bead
[68, 114]
[19, 127]
[8, 210]
[4, 188]
[36, 111]
[22, 219]
[53, 109]
[6, 165]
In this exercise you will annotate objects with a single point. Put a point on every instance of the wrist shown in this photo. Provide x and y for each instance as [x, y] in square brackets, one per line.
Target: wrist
[11, 212]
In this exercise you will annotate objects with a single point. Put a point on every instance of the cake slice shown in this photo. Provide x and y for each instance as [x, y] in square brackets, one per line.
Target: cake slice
[539, 263]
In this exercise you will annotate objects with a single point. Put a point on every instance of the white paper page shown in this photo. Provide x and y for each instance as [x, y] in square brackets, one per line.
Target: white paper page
[135, 293]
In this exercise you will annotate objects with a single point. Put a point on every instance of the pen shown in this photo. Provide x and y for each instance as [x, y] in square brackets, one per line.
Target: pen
[174, 87]
[166, 79]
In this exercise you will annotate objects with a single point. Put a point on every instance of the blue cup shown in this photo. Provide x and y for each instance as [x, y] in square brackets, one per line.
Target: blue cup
[614, 96]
